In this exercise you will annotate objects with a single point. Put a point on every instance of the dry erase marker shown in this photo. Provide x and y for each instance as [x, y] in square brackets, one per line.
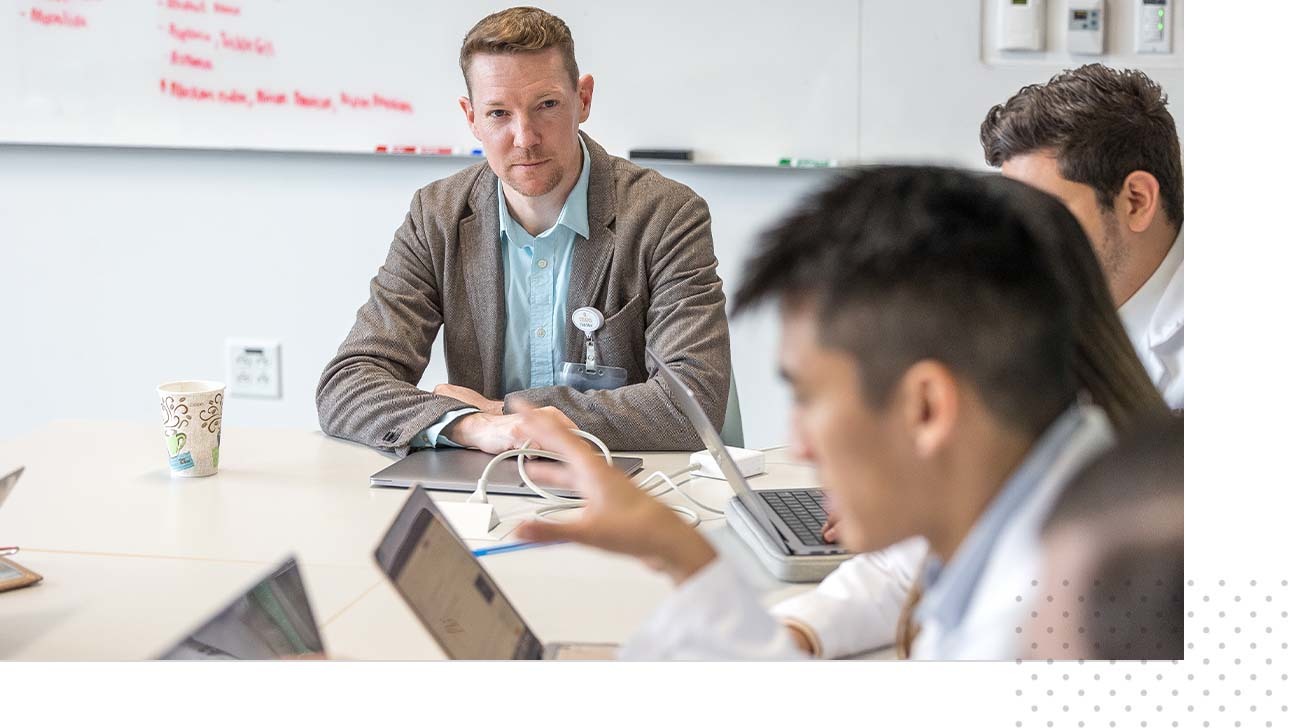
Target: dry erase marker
[802, 162]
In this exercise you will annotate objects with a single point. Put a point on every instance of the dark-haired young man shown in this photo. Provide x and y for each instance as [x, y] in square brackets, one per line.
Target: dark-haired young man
[1103, 142]
[928, 344]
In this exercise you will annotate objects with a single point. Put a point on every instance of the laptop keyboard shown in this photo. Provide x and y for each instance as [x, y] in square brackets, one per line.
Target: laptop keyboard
[801, 510]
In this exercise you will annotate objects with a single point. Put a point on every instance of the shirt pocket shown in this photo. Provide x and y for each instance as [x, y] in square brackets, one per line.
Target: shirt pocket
[622, 340]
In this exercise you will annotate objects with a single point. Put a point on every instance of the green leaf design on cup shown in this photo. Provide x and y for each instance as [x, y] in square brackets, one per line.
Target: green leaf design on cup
[176, 442]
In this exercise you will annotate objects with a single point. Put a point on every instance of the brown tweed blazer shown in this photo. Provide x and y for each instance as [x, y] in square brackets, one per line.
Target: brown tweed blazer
[649, 266]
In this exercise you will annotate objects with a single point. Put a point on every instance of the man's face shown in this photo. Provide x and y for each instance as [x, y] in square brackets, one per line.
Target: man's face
[863, 458]
[1042, 170]
[527, 115]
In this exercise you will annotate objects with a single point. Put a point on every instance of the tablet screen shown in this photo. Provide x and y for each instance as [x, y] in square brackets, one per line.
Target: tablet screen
[8, 573]
[272, 620]
[453, 596]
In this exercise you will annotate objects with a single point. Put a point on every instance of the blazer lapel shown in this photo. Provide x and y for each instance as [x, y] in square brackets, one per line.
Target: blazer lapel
[482, 259]
[592, 258]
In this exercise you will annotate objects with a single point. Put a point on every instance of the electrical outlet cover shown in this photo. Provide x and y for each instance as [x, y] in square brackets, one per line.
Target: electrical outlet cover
[252, 368]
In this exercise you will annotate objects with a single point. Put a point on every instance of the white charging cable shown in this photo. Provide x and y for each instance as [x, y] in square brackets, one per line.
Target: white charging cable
[561, 503]
[668, 480]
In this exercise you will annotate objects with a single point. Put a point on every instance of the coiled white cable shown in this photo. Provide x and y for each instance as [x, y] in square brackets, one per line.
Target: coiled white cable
[564, 503]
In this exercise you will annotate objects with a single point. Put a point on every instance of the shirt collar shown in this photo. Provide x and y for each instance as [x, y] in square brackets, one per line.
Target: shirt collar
[948, 589]
[1146, 315]
[574, 215]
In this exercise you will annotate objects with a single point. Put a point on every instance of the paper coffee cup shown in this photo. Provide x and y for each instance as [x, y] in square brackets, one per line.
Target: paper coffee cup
[191, 413]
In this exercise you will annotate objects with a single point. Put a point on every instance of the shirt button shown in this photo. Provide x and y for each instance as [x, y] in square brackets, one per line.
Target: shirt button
[539, 332]
[542, 264]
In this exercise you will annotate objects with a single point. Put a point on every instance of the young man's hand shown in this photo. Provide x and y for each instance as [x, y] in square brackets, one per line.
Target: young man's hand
[617, 515]
[829, 528]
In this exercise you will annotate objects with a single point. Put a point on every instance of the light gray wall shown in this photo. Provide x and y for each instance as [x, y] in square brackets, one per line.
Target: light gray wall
[121, 268]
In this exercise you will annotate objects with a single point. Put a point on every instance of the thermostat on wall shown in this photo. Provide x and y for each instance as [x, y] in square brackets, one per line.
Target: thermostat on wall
[1154, 26]
[1086, 27]
[1021, 25]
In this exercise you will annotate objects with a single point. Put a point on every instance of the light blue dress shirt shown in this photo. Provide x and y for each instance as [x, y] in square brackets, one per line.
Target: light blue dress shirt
[536, 278]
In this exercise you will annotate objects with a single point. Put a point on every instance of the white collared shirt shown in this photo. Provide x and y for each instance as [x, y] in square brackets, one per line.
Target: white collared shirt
[715, 615]
[1155, 319]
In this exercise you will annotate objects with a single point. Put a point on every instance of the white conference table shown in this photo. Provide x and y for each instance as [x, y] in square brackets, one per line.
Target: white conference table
[133, 558]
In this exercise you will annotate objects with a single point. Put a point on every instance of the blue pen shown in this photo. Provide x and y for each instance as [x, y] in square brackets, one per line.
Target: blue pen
[517, 546]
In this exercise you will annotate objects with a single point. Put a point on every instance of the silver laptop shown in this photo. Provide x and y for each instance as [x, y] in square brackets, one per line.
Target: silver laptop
[458, 469]
[7, 482]
[783, 526]
[454, 598]
[272, 620]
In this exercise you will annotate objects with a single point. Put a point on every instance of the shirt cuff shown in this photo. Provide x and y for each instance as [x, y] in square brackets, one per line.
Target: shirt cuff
[431, 436]
[856, 609]
[827, 621]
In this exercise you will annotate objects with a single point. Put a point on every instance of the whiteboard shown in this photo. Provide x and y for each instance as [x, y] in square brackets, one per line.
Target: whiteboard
[737, 82]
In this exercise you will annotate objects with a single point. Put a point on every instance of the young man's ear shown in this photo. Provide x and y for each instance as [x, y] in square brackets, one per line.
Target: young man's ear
[1140, 200]
[927, 393]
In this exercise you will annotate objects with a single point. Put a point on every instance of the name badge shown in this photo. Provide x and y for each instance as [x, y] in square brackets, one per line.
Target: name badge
[587, 319]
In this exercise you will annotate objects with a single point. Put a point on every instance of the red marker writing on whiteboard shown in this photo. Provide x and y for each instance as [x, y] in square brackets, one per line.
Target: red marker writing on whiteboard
[407, 149]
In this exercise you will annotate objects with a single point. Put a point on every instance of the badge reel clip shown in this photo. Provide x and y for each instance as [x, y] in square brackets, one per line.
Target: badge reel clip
[588, 375]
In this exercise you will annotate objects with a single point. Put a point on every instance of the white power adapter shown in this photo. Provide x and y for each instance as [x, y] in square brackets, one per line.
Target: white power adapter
[749, 462]
[471, 520]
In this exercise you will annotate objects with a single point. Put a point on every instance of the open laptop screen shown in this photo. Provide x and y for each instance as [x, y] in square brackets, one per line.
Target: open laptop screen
[686, 400]
[272, 620]
[455, 598]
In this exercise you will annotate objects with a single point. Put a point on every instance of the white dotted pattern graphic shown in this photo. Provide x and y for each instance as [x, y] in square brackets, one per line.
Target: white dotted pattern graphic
[1235, 673]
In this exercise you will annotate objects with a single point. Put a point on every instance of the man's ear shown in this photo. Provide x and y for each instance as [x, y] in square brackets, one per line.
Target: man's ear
[465, 103]
[927, 393]
[585, 89]
[1140, 200]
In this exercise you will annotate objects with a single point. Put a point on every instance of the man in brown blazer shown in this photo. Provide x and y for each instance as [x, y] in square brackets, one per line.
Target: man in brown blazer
[469, 260]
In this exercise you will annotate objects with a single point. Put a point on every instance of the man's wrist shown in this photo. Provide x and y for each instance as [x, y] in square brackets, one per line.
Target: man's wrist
[804, 636]
[463, 430]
